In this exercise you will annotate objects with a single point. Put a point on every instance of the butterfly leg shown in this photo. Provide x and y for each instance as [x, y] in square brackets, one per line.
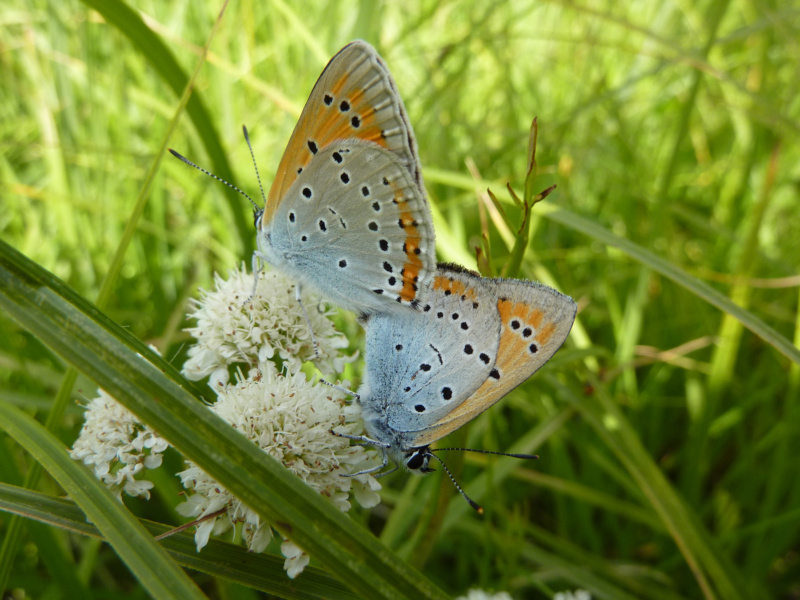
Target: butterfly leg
[297, 291]
[389, 472]
[341, 389]
[370, 442]
[361, 438]
[375, 469]
[256, 272]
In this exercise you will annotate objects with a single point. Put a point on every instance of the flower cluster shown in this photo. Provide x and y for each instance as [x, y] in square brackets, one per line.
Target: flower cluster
[290, 419]
[264, 339]
[267, 330]
[118, 446]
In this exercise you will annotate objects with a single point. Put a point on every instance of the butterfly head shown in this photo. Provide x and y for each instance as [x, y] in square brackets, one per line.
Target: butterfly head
[416, 460]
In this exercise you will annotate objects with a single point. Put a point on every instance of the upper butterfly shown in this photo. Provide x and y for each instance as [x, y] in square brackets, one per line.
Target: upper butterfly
[347, 212]
[476, 339]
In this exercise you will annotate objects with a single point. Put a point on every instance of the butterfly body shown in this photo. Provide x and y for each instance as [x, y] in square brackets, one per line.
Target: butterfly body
[347, 212]
[429, 372]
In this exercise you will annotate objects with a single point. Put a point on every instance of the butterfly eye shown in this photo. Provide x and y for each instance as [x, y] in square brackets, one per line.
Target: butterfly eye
[416, 461]
[257, 214]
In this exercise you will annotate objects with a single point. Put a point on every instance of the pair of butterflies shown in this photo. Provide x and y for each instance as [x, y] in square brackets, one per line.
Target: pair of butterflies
[347, 215]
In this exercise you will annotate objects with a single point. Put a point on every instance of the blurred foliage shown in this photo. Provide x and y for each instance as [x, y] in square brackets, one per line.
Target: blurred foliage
[672, 125]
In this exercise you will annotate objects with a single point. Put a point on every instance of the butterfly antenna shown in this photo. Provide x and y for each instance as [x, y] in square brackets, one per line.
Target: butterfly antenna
[255, 166]
[210, 174]
[522, 456]
[344, 390]
[478, 508]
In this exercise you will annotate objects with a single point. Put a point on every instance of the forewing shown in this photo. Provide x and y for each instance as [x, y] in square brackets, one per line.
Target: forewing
[355, 213]
[354, 98]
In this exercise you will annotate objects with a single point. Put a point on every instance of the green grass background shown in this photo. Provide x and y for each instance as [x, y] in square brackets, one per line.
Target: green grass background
[668, 432]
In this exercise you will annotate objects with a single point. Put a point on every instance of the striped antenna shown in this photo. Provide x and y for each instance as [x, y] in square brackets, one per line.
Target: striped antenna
[220, 179]
[255, 166]
[478, 508]
[522, 456]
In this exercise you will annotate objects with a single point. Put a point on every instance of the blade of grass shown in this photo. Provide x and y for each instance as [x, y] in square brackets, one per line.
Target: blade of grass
[726, 350]
[222, 559]
[699, 288]
[150, 46]
[638, 253]
[641, 587]
[569, 570]
[481, 486]
[150, 563]
[56, 553]
[676, 274]
[153, 390]
[54, 418]
[707, 562]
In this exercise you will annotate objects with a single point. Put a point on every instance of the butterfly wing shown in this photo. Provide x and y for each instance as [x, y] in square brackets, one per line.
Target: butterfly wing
[535, 321]
[355, 97]
[355, 226]
[421, 365]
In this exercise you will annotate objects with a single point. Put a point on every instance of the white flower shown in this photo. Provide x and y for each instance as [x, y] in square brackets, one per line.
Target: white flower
[576, 595]
[235, 329]
[296, 559]
[291, 420]
[482, 595]
[118, 446]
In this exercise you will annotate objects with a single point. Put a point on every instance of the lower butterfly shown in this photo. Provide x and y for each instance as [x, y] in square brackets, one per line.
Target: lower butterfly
[475, 340]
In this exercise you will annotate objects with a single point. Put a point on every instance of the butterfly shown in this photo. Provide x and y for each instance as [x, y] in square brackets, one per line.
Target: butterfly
[347, 212]
[475, 340]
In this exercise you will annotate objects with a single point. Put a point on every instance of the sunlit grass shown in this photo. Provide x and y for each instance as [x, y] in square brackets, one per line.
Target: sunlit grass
[667, 430]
